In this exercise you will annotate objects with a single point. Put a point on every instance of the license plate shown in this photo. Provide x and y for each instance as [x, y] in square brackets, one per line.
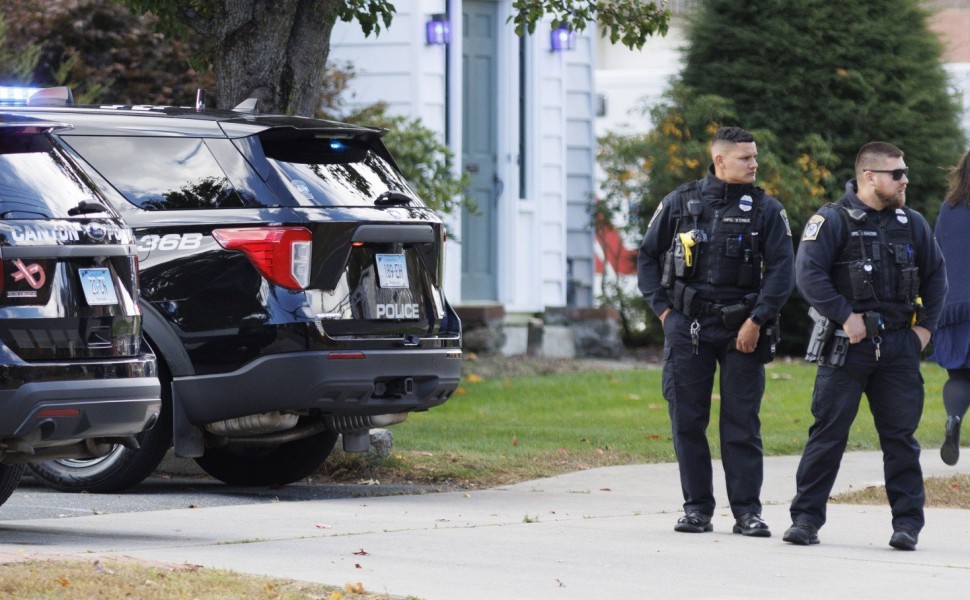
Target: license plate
[98, 287]
[392, 271]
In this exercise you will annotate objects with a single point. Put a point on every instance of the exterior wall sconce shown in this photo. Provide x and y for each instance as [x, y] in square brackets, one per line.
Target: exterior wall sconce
[562, 39]
[437, 31]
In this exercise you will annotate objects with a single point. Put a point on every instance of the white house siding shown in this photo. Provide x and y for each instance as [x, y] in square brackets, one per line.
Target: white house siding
[628, 79]
[557, 143]
[550, 231]
[396, 66]
[580, 163]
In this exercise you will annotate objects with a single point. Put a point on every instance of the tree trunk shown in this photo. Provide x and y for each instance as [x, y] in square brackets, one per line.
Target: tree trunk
[294, 34]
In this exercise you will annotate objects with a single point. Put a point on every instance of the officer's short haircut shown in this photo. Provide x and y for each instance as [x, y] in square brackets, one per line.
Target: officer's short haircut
[872, 155]
[733, 135]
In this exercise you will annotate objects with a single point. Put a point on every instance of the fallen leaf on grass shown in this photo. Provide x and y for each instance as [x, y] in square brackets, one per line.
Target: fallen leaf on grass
[354, 588]
[473, 378]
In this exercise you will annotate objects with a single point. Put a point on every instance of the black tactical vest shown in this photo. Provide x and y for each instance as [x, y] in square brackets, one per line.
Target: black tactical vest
[727, 249]
[876, 264]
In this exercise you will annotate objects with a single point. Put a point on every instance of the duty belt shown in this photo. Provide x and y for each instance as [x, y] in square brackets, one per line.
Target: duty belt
[889, 325]
[707, 308]
[704, 308]
[732, 314]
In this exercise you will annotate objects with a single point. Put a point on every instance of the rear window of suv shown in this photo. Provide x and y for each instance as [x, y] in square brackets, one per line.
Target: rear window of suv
[332, 171]
[180, 173]
[37, 181]
[159, 173]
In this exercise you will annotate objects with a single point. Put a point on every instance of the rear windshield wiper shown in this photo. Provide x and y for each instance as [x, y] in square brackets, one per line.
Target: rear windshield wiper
[390, 198]
[84, 207]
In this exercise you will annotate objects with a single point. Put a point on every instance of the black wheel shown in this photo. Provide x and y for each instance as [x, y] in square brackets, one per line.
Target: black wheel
[121, 468]
[254, 465]
[9, 479]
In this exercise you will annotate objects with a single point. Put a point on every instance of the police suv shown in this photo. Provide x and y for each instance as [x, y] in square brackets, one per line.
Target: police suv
[291, 286]
[76, 379]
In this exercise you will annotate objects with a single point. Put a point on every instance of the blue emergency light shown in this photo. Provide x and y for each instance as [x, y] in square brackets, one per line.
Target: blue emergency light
[16, 95]
[33, 96]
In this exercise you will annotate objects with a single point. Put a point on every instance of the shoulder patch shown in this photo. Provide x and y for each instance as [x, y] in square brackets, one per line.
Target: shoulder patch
[812, 227]
[784, 217]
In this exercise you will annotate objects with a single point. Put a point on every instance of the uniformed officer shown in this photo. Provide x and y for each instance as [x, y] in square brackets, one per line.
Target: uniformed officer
[715, 265]
[871, 265]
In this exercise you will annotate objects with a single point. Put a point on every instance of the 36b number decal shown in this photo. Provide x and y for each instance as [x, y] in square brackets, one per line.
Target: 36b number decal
[170, 241]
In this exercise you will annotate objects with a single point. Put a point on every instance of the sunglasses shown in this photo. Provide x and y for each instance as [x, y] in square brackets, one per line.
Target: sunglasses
[897, 173]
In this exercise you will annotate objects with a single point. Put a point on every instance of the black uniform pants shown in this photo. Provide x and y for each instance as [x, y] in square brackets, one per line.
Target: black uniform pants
[688, 382]
[894, 387]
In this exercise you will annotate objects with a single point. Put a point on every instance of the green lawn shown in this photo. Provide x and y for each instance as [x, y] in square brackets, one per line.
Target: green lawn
[535, 426]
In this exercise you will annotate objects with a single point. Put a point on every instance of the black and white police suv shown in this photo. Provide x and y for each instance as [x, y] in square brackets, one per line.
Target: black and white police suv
[76, 379]
[291, 286]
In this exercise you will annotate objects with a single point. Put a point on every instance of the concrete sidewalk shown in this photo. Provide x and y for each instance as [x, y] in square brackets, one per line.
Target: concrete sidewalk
[602, 533]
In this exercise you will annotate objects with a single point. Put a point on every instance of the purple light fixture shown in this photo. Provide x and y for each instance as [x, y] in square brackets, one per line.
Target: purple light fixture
[437, 31]
[562, 39]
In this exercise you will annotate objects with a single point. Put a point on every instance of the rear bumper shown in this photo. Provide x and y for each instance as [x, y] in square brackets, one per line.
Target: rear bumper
[369, 382]
[57, 403]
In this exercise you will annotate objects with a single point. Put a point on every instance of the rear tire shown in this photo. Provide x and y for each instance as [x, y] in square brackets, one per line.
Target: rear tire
[9, 480]
[253, 465]
[120, 469]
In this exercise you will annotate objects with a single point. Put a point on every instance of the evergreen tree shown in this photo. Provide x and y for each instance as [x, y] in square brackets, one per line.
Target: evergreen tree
[850, 72]
[16, 62]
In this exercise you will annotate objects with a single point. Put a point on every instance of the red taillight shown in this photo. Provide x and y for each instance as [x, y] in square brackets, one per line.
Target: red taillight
[280, 254]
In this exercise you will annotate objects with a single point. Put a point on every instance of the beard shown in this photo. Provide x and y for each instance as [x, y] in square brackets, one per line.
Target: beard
[894, 200]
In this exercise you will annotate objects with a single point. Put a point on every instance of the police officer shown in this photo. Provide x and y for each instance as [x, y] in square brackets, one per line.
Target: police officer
[868, 259]
[715, 266]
